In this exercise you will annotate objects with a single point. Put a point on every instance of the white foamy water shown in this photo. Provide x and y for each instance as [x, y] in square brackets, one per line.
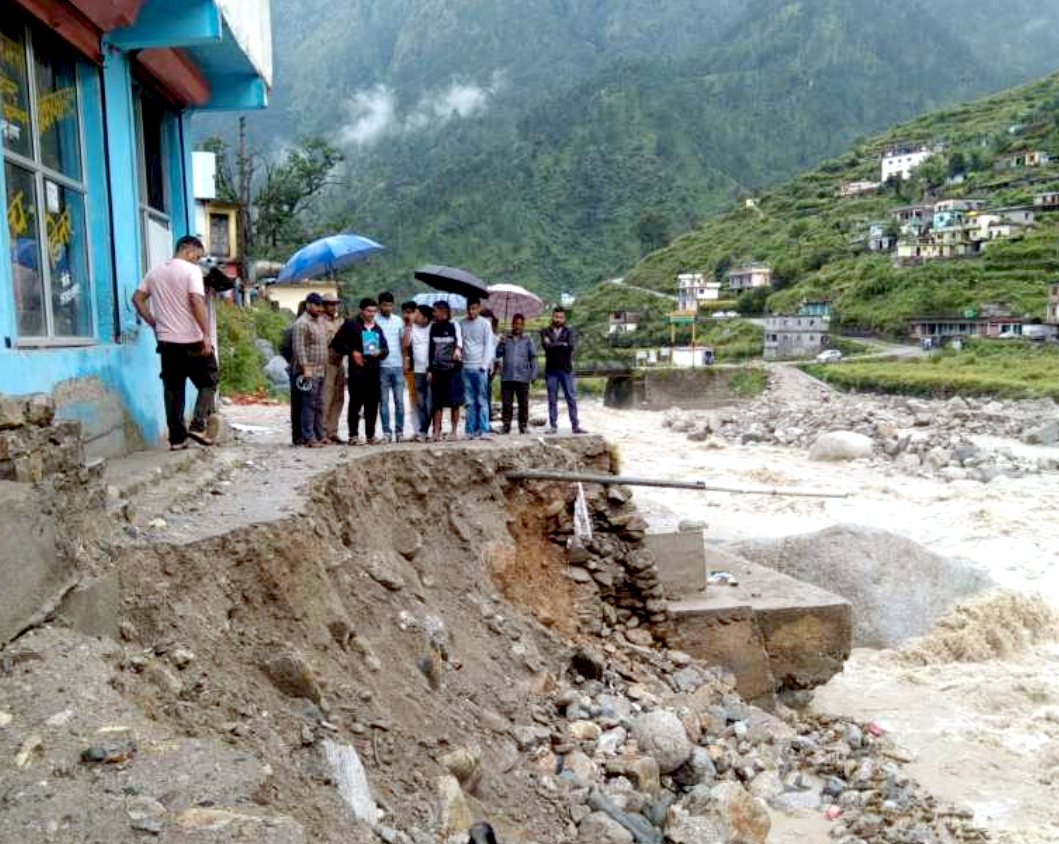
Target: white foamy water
[985, 733]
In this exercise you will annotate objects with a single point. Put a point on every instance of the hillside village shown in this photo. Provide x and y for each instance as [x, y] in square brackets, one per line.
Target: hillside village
[943, 227]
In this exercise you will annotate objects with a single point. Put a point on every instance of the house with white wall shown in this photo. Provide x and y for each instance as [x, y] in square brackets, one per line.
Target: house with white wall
[695, 289]
[899, 160]
[749, 277]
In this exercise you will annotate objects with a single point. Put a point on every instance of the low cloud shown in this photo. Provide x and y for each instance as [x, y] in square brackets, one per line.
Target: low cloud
[374, 112]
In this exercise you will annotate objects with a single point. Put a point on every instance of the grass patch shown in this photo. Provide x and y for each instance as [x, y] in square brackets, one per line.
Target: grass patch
[748, 382]
[241, 365]
[999, 368]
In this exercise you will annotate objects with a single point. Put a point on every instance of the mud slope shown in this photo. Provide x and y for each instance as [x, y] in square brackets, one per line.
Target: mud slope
[365, 616]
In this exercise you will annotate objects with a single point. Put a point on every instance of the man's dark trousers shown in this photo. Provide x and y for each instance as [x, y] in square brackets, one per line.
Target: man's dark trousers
[509, 391]
[564, 379]
[295, 409]
[312, 412]
[181, 361]
[364, 393]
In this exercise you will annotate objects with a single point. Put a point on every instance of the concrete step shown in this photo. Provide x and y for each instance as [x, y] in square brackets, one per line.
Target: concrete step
[774, 633]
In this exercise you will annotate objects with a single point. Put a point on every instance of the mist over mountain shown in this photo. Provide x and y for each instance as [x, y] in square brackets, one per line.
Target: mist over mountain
[554, 142]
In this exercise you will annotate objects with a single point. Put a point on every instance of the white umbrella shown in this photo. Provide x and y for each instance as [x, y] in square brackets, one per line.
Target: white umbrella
[506, 300]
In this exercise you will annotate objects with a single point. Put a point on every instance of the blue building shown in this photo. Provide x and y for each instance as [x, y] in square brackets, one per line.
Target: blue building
[97, 98]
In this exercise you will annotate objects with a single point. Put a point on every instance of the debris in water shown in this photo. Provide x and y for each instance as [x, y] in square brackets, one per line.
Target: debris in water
[722, 578]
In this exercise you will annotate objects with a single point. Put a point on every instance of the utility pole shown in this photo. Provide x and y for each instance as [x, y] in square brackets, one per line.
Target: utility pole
[244, 228]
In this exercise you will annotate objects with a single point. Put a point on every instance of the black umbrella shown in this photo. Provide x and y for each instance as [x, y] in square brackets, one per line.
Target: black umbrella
[453, 280]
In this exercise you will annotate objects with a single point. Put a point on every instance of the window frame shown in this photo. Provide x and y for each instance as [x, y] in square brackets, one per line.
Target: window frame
[42, 173]
[147, 212]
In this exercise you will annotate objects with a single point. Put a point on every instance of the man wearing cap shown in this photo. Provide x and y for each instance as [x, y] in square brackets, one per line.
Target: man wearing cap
[334, 372]
[310, 362]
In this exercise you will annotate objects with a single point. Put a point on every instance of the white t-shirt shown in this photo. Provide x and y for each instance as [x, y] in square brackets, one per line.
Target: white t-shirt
[169, 288]
[420, 348]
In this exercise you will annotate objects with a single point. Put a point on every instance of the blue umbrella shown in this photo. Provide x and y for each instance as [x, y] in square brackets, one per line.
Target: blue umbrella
[323, 257]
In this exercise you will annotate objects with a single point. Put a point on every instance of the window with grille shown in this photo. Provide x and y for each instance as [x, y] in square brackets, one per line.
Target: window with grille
[44, 177]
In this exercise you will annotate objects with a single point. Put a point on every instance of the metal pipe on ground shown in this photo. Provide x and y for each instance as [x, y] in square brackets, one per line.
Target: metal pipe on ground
[609, 480]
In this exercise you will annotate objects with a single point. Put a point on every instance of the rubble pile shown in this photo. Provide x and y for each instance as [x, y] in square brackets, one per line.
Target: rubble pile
[659, 748]
[617, 577]
[915, 436]
[33, 443]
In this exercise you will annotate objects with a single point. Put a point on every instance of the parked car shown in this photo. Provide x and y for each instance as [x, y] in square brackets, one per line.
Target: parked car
[829, 356]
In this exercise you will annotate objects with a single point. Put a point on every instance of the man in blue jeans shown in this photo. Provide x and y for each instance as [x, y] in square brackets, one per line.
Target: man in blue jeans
[478, 354]
[391, 371]
[558, 342]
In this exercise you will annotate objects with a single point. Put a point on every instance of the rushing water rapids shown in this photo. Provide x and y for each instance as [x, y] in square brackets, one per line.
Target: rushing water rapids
[977, 701]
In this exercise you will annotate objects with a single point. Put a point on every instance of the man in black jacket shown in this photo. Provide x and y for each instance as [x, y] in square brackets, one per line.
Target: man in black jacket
[559, 343]
[445, 369]
[362, 339]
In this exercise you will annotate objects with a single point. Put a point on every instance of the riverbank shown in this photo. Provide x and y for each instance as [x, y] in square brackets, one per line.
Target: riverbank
[982, 734]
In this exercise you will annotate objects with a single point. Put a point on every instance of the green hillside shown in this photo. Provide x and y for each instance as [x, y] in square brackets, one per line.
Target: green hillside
[556, 142]
[816, 241]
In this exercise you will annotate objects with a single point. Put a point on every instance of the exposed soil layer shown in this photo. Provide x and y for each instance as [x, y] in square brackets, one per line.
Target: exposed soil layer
[367, 614]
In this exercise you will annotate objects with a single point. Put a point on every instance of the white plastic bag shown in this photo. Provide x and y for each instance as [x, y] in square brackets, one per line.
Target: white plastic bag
[582, 521]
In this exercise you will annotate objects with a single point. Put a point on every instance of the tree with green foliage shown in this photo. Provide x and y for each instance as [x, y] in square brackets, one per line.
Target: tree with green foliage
[285, 193]
[652, 230]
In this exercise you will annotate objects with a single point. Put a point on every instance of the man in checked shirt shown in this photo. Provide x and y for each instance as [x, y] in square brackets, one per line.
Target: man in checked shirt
[311, 338]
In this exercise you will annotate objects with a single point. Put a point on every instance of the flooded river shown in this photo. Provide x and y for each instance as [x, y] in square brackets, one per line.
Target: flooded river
[985, 734]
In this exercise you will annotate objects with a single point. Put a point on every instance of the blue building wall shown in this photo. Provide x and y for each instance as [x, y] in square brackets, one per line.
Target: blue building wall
[111, 380]
[112, 385]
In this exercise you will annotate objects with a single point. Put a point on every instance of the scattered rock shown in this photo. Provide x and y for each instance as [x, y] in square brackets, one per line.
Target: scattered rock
[746, 818]
[145, 814]
[181, 658]
[384, 572]
[840, 446]
[292, 675]
[454, 812]
[661, 734]
[1046, 434]
[464, 763]
[599, 828]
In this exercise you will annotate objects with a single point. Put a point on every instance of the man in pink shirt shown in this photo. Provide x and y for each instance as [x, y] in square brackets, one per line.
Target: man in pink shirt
[172, 300]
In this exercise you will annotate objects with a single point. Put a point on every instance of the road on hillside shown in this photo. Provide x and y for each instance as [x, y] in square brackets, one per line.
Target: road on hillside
[620, 282]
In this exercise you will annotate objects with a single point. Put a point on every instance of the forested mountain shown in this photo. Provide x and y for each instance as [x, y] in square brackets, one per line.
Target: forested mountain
[817, 240]
[556, 141]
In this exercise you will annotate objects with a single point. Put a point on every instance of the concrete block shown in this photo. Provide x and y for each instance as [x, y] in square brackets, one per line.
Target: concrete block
[802, 632]
[727, 636]
[681, 560]
[691, 389]
[33, 574]
[94, 608]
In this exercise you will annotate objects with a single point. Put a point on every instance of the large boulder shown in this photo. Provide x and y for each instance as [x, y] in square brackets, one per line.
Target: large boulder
[1046, 434]
[276, 372]
[841, 445]
[661, 735]
[896, 586]
[265, 348]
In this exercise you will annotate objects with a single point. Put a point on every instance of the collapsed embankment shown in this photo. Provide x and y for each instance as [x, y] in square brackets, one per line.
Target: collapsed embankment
[411, 613]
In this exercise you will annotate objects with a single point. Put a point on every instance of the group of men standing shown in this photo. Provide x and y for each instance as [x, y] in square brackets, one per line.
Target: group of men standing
[443, 364]
[375, 355]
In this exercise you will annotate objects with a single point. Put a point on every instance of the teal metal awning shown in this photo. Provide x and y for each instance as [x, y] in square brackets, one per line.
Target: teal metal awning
[206, 30]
